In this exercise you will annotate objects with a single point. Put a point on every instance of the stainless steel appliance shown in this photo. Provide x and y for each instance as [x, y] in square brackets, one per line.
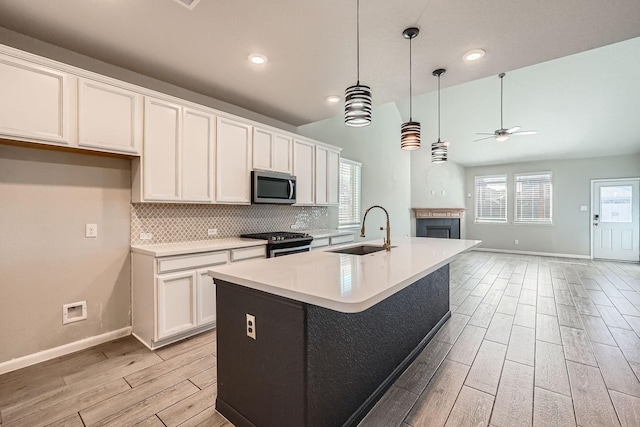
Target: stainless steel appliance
[273, 187]
[283, 243]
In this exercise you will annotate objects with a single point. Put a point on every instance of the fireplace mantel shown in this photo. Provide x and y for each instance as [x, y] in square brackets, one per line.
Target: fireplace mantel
[439, 212]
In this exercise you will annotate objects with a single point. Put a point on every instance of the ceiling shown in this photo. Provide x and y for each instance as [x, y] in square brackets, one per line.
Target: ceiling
[572, 65]
[311, 44]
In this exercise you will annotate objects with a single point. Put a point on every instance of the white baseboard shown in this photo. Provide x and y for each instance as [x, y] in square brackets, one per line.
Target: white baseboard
[52, 353]
[508, 251]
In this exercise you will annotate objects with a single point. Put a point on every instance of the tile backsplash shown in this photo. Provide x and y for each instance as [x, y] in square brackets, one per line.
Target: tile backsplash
[182, 223]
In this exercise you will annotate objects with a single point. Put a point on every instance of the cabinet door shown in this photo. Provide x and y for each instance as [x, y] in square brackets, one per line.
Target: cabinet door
[176, 310]
[322, 154]
[197, 155]
[161, 157]
[333, 177]
[34, 102]
[109, 118]
[282, 154]
[206, 298]
[233, 162]
[303, 169]
[262, 149]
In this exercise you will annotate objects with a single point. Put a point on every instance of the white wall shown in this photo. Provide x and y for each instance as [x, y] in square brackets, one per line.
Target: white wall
[428, 178]
[386, 176]
[570, 232]
[46, 198]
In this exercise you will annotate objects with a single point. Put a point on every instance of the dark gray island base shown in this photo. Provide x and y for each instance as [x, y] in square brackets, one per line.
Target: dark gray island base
[315, 367]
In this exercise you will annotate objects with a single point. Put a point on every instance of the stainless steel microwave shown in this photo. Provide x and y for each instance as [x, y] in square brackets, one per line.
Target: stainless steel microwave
[273, 187]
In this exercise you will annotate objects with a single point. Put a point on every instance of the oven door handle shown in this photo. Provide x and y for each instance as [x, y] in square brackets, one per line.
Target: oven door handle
[290, 189]
[294, 249]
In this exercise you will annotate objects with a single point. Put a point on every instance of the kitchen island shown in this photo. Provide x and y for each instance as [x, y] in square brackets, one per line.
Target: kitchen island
[329, 332]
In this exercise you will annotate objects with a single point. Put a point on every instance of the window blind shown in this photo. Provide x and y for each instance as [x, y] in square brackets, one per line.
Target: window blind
[491, 198]
[534, 197]
[349, 199]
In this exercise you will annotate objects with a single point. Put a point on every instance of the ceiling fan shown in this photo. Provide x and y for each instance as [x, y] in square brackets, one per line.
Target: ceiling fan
[503, 134]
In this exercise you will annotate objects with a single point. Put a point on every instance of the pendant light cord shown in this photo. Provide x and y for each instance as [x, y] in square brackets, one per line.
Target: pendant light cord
[438, 107]
[358, 40]
[410, 84]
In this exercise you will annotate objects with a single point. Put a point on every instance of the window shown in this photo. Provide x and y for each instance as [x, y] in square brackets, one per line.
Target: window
[349, 208]
[533, 197]
[491, 198]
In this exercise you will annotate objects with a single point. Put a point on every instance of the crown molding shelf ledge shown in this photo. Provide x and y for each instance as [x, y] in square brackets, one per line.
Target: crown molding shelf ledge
[439, 212]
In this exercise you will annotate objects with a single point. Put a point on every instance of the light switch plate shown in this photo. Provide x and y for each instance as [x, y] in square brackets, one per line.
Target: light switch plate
[583, 208]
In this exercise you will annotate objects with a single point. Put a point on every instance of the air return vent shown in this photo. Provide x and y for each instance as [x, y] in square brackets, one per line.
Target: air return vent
[189, 4]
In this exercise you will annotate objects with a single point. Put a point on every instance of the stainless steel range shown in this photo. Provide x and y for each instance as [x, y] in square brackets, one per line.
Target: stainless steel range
[283, 243]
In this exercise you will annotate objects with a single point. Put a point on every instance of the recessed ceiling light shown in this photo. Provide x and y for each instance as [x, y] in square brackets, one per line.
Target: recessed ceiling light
[474, 55]
[256, 58]
[333, 99]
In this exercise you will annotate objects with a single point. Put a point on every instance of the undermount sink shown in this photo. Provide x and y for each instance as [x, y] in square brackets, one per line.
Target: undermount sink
[359, 250]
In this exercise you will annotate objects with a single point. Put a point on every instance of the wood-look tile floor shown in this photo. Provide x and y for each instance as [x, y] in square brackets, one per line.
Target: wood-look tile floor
[532, 341]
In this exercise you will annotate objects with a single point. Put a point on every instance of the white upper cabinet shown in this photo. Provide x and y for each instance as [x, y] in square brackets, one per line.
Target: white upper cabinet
[177, 159]
[161, 155]
[322, 154]
[197, 155]
[282, 154]
[109, 117]
[303, 169]
[333, 177]
[34, 102]
[233, 161]
[272, 151]
[327, 171]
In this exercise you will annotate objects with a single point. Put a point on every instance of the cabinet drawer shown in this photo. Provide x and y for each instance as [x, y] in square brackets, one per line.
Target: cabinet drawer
[316, 243]
[248, 253]
[192, 261]
[336, 240]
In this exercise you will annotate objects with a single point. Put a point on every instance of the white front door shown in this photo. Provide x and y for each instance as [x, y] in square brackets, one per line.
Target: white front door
[615, 221]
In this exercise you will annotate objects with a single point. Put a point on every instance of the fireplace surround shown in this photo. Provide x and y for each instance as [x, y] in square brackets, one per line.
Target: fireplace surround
[443, 223]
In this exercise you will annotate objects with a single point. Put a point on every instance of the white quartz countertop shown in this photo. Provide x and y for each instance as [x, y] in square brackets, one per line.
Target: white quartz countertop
[182, 248]
[346, 283]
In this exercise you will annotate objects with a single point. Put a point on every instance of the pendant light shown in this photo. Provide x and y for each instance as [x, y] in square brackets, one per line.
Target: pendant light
[357, 98]
[439, 148]
[410, 131]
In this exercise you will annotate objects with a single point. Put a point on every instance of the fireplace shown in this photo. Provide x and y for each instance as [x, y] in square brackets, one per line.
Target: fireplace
[439, 223]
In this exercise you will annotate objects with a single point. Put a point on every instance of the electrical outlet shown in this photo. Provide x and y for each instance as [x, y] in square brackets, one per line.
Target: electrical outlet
[91, 230]
[251, 326]
[294, 226]
[146, 236]
[517, 242]
[212, 232]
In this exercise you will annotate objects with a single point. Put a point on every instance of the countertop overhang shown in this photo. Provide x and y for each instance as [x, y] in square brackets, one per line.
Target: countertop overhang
[346, 283]
[184, 248]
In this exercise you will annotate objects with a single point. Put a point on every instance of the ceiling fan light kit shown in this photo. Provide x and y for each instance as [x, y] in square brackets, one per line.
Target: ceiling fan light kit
[357, 98]
[503, 134]
[410, 131]
[439, 149]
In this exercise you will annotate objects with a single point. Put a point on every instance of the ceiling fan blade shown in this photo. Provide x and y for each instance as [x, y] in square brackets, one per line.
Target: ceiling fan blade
[513, 129]
[525, 132]
[485, 133]
[482, 139]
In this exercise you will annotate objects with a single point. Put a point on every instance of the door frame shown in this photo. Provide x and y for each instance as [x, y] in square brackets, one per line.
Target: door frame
[592, 207]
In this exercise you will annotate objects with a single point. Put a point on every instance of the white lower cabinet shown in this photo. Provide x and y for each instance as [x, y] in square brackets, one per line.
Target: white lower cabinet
[173, 297]
[176, 304]
[206, 297]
